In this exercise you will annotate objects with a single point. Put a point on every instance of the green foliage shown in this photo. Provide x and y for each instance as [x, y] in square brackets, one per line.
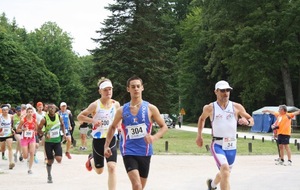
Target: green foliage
[137, 41]
[24, 76]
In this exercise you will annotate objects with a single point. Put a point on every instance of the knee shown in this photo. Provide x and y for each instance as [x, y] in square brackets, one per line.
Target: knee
[111, 167]
[225, 171]
[99, 170]
[137, 186]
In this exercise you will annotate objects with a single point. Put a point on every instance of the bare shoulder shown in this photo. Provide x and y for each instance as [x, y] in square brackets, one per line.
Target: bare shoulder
[208, 108]
[117, 104]
[238, 106]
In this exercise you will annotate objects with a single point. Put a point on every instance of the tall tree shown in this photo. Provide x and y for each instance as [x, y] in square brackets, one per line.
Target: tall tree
[136, 40]
[54, 46]
[19, 70]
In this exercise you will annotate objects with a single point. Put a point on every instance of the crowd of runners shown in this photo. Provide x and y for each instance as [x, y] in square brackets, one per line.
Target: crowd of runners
[30, 126]
[131, 124]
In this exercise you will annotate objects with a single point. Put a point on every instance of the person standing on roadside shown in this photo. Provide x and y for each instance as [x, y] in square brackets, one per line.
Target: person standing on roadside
[53, 125]
[6, 133]
[136, 140]
[103, 112]
[283, 122]
[179, 119]
[224, 116]
[28, 126]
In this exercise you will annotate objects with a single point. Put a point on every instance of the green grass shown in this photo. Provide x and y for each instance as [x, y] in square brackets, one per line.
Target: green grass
[184, 142]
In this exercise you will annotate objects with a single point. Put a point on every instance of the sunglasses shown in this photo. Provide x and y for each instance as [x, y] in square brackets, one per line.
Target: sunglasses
[225, 90]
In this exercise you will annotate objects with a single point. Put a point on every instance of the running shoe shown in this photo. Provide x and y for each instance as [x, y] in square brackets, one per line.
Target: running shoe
[68, 155]
[4, 157]
[88, 164]
[208, 182]
[35, 159]
[288, 163]
[11, 166]
[15, 157]
[29, 172]
[21, 159]
[280, 162]
[49, 179]
[277, 159]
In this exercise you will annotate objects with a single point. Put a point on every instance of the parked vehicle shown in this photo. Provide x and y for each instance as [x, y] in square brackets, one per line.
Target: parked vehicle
[168, 120]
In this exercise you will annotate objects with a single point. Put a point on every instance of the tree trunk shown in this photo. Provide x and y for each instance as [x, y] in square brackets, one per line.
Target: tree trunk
[287, 84]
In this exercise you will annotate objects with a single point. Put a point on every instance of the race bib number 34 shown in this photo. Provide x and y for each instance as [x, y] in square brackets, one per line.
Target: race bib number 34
[137, 131]
[229, 144]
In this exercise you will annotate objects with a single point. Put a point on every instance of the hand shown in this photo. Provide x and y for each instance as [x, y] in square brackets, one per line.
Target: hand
[96, 124]
[107, 152]
[243, 121]
[149, 139]
[199, 141]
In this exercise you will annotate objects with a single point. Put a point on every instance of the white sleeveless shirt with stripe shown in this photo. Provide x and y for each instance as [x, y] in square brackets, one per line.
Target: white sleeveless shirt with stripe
[224, 123]
[106, 115]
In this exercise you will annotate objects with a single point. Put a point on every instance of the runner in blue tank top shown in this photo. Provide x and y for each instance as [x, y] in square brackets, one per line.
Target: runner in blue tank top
[136, 139]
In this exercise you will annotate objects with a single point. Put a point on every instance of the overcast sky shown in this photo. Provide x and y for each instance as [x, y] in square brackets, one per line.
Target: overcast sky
[79, 18]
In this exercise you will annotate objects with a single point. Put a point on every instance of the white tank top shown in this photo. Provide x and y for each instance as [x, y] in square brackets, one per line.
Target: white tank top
[106, 116]
[224, 123]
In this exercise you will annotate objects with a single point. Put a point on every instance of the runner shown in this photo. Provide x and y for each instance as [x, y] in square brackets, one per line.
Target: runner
[136, 140]
[224, 116]
[6, 133]
[53, 125]
[17, 135]
[65, 115]
[103, 111]
[28, 127]
[40, 114]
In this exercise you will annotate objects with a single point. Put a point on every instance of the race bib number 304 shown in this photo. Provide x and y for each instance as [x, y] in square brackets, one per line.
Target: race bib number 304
[229, 144]
[137, 131]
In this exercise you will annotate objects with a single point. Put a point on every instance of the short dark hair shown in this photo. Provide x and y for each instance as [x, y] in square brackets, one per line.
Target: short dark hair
[134, 78]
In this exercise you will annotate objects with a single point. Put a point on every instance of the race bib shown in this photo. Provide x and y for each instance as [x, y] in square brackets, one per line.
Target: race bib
[54, 133]
[28, 134]
[6, 130]
[229, 144]
[137, 131]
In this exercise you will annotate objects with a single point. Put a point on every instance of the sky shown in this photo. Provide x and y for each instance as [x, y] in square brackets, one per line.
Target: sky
[79, 18]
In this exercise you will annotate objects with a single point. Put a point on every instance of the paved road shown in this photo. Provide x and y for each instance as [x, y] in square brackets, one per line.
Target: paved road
[168, 172]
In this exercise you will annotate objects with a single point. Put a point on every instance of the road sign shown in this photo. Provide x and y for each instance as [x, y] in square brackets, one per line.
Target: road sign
[182, 111]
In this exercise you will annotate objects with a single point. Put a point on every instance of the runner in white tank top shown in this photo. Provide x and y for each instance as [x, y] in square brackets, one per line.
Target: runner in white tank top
[103, 112]
[224, 116]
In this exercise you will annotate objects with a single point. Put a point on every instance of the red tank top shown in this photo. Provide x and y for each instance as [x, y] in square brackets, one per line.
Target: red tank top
[30, 125]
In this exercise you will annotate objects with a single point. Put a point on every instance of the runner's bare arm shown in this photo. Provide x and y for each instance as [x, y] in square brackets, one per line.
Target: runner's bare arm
[83, 116]
[207, 111]
[155, 114]
[246, 118]
[111, 132]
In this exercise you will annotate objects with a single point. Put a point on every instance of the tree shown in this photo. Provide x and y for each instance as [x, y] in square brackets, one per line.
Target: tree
[136, 40]
[19, 71]
[54, 46]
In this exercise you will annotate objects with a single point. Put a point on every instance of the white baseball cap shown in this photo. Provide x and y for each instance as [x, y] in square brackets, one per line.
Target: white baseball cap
[63, 104]
[222, 84]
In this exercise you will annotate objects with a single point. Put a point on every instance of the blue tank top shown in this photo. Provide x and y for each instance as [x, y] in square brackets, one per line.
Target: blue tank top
[134, 129]
[66, 119]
